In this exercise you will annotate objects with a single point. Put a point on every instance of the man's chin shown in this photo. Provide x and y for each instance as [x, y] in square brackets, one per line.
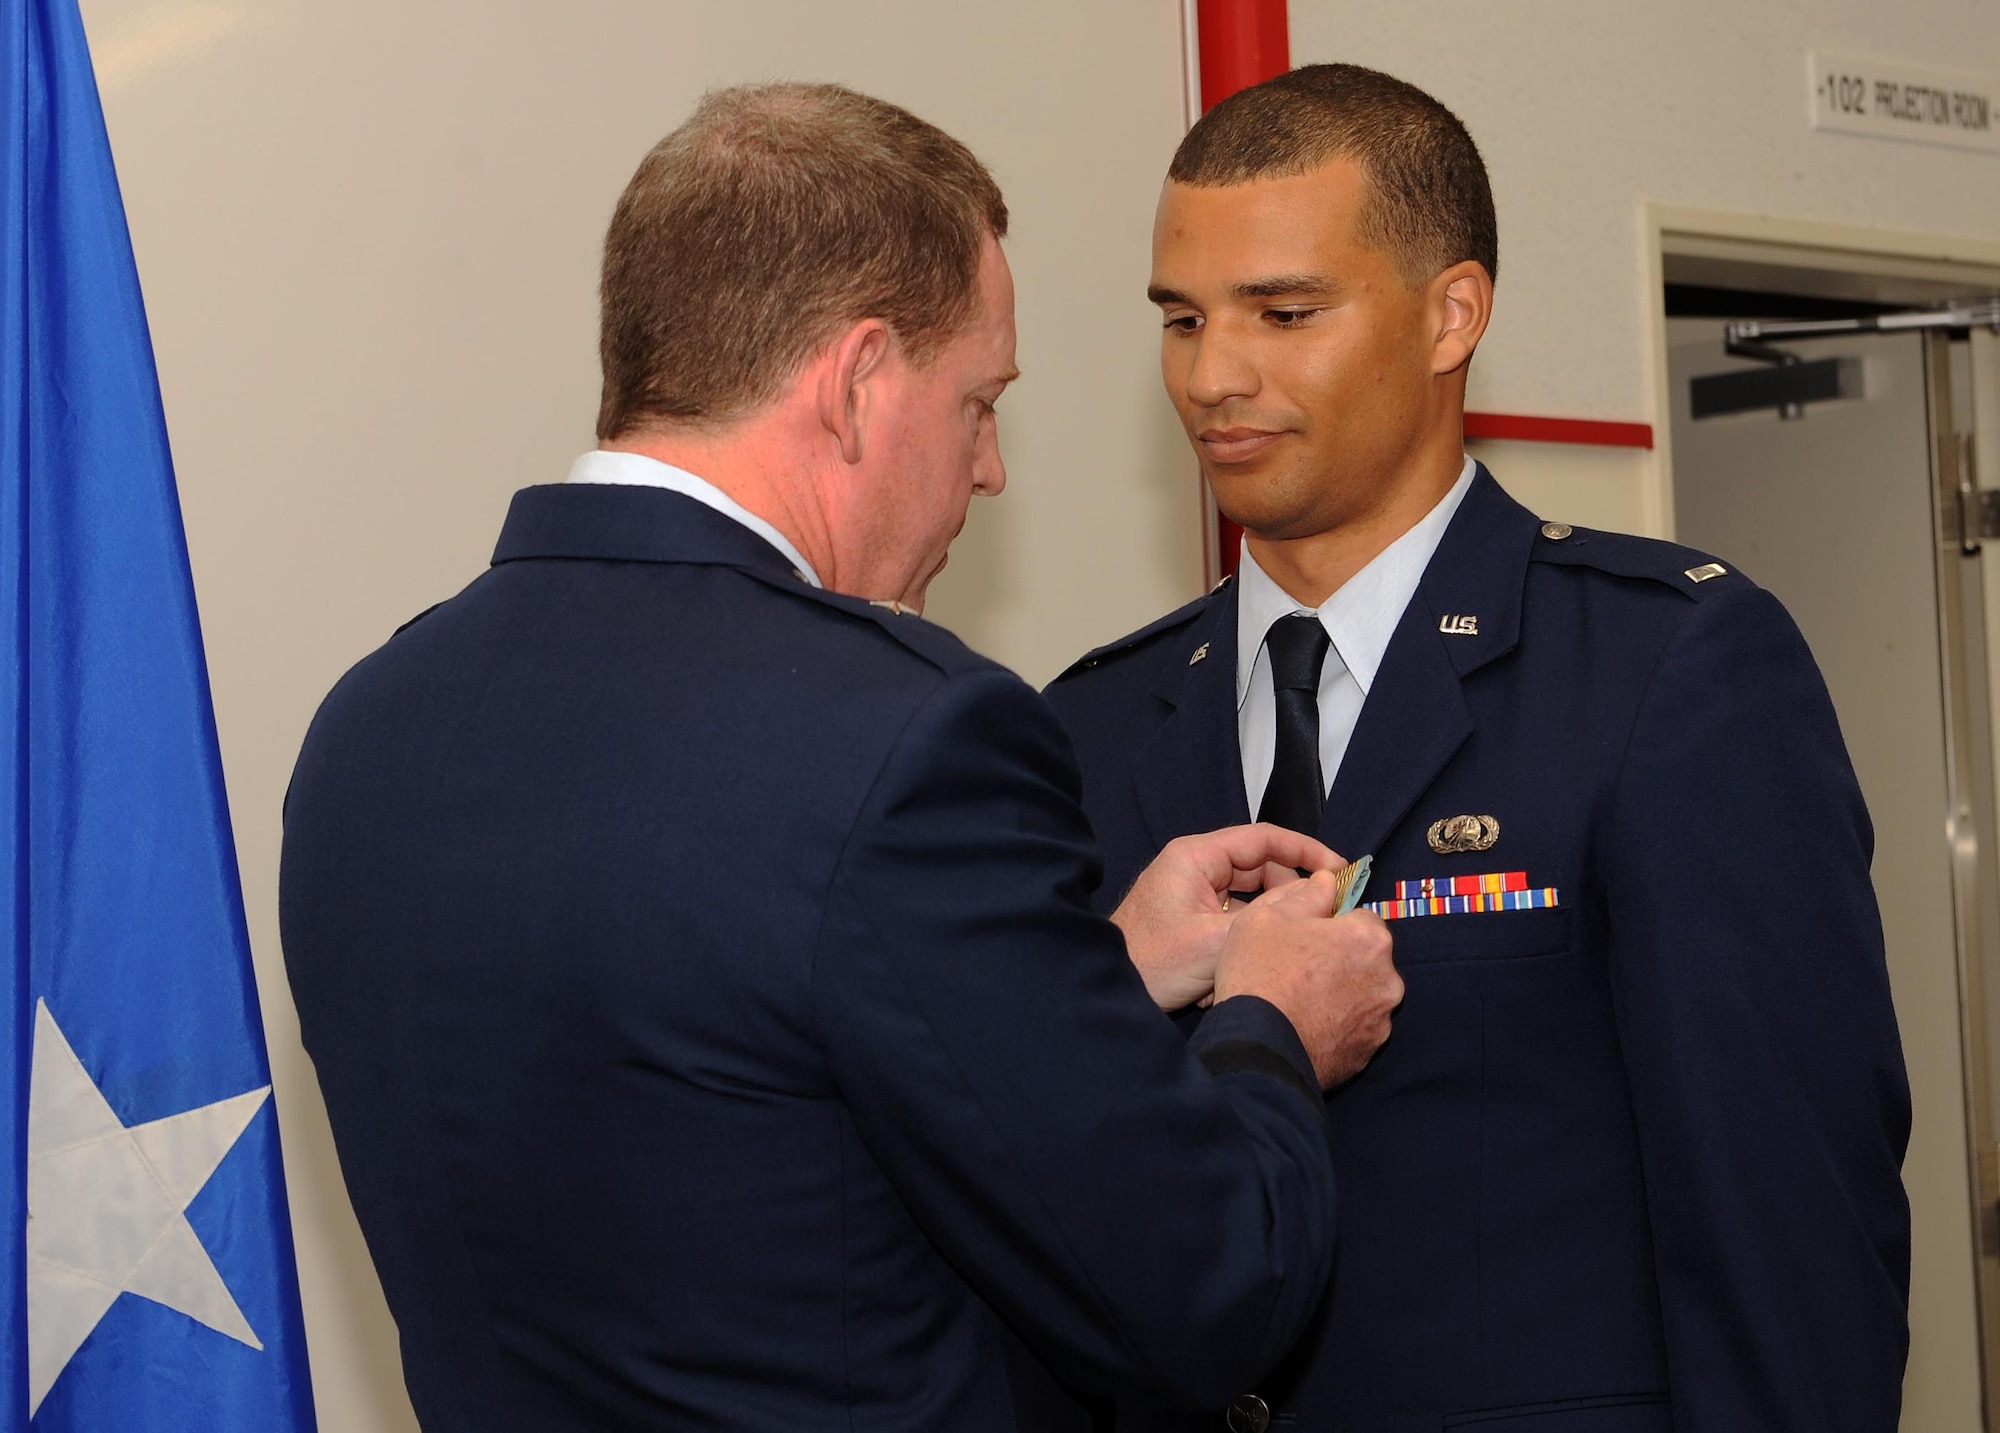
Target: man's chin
[1270, 522]
[1275, 505]
[913, 600]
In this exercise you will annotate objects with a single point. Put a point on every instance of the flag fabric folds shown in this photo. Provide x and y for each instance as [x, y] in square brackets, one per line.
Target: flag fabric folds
[146, 1273]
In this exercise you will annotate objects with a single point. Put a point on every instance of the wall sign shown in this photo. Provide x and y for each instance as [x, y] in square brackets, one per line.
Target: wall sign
[1859, 95]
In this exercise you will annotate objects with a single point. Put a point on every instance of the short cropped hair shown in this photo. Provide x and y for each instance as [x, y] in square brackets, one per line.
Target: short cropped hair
[1429, 204]
[775, 217]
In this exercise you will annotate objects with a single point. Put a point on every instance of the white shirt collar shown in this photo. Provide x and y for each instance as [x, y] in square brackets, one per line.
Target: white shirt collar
[1361, 616]
[637, 470]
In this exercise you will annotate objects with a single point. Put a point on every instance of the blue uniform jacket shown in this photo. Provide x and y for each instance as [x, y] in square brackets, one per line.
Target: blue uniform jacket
[1631, 1162]
[700, 974]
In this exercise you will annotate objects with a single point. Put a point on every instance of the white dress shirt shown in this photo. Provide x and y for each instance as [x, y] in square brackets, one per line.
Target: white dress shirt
[636, 470]
[1359, 619]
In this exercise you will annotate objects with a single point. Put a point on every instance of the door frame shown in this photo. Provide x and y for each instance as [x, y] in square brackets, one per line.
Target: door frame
[1847, 249]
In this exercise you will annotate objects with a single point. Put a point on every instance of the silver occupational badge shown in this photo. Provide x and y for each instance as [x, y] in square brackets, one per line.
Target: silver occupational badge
[1456, 835]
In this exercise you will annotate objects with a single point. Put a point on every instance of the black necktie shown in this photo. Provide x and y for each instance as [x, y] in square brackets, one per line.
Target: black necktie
[1296, 792]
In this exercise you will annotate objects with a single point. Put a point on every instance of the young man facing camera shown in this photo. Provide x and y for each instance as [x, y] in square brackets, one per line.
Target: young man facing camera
[1630, 1161]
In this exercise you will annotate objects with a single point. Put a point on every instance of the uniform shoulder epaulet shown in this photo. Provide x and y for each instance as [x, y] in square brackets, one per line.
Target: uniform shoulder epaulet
[1143, 638]
[936, 645]
[1687, 570]
[418, 618]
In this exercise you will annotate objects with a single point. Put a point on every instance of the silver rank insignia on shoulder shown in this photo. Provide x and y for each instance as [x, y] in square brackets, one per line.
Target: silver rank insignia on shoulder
[1706, 571]
[1459, 626]
[1199, 653]
[1456, 835]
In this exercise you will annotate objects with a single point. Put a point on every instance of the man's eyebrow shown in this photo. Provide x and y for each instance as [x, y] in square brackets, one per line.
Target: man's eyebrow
[1003, 379]
[1317, 286]
[1280, 286]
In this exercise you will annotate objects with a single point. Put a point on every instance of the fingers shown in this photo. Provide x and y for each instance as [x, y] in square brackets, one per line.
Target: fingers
[1273, 877]
[1314, 897]
[1292, 849]
[1267, 877]
[1236, 857]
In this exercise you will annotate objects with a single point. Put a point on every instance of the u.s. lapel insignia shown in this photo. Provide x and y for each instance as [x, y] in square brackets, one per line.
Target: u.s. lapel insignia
[1459, 625]
[1199, 653]
[1456, 835]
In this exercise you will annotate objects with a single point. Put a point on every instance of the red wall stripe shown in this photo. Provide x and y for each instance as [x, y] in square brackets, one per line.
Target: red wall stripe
[1592, 431]
[1243, 42]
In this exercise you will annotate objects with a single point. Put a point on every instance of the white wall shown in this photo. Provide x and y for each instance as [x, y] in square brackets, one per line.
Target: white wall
[368, 232]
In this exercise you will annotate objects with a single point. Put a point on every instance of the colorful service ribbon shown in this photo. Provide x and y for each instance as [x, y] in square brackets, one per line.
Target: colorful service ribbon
[1465, 895]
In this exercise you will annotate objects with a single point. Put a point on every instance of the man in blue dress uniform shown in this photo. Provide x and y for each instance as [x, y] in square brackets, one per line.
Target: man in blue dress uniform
[1630, 1161]
[693, 944]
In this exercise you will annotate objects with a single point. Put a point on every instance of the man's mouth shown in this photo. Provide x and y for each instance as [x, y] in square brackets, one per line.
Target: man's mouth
[1236, 445]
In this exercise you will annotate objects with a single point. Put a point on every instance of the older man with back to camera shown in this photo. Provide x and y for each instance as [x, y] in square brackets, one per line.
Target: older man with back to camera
[694, 944]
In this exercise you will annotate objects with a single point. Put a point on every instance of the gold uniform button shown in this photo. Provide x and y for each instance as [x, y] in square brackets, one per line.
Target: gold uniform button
[1556, 531]
[1249, 1414]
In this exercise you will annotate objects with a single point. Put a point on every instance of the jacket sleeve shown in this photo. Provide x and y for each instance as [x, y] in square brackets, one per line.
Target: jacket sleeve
[1152, 1226]
[1753, 1008]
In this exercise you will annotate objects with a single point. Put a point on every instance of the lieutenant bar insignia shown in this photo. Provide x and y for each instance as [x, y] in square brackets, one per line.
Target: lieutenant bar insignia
[1456, 835]
[1459, 626]
[1465, 895]
[1706, 571]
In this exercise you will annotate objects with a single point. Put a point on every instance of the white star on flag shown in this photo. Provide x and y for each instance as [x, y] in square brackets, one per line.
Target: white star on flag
[107, 1208]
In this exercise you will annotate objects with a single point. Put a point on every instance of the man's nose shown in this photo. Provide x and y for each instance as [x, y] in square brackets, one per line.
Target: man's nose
[1220, 371]
[989, 470]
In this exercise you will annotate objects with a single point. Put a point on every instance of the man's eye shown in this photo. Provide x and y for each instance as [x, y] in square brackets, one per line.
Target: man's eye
[1183, 323]
[1289, 317]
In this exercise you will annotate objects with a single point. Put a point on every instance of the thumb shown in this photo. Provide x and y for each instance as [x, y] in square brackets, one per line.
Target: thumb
[1315, 896]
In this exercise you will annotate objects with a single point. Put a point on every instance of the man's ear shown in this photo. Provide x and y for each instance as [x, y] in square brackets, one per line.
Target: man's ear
[850, 380]
[1461, 303]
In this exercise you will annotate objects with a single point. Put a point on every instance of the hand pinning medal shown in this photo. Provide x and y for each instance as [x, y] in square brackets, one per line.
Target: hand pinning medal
[1348, 882]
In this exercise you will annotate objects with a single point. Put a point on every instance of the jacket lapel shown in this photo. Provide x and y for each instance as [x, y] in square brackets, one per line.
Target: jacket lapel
[1189, 773]
[1416, 718]
[1413, 722]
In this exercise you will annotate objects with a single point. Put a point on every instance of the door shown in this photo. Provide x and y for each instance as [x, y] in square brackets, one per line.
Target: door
[1838, 513]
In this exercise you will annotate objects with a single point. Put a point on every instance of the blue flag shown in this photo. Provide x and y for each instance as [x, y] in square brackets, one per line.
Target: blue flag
[146, 1273]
